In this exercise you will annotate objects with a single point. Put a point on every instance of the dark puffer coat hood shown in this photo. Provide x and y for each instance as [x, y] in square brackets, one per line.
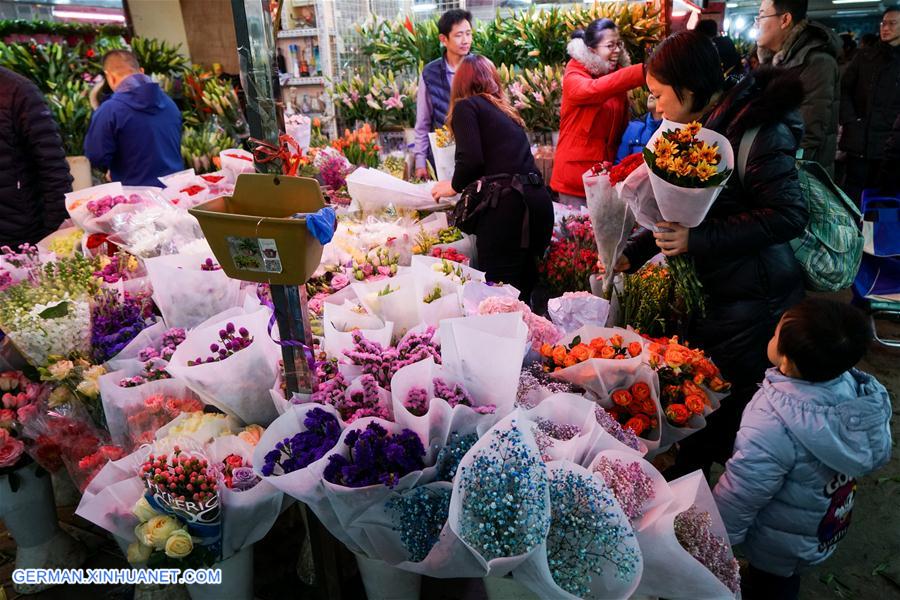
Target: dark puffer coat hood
[741, 250]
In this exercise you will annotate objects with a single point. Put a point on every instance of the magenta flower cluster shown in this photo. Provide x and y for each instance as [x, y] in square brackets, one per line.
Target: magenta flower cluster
[209, 265]
[382, 363]
[232, 341]
[417, 399]
[100, 207]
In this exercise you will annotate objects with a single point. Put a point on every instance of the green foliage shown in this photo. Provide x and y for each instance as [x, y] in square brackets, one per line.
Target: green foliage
[27, 27]
[529, 39]
[72, 112]
[200, 144]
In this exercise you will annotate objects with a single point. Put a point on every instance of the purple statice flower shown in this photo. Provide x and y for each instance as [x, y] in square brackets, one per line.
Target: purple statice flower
[365, 402]
[535, 385]
[693, 531]
[376, 457]
[114, 323]
[322, 431]
[631, 486]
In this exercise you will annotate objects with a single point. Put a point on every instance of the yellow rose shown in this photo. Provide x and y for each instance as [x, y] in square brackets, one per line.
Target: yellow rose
[61, 369]
[251, 434]
[60, 395]
[138, 553]
[158, 529]
[88, 388]
[143, 511]
[94, 373]
[179, 544]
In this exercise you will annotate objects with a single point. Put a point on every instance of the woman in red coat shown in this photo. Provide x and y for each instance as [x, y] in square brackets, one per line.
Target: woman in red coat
[594, 105]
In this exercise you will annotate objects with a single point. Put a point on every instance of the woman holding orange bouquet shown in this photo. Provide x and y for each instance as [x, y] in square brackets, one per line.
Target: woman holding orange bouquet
[741, 250]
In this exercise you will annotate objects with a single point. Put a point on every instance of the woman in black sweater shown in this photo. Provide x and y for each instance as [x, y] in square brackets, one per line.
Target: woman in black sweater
[490, 141]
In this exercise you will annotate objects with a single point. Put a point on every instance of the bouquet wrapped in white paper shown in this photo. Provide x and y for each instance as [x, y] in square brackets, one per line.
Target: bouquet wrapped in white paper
[191, 288]
[235, 381]
[689, 166]
[610, 219]
[444, 152]
[375, 190]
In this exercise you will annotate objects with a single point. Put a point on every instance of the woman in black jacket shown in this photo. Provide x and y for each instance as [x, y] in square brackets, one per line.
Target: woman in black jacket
[491, 142]
[741, 250]
[34, 174]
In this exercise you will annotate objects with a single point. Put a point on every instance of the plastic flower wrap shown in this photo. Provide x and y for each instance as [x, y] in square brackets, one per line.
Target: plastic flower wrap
[96, 209]
[186, 292]
[237, 383]
[443, 149]
[591, 550]
[594, 358]
[540, 330]
[610, 218]
[143, 419]
[75, 379]
[182, 503]
[574, 310]
[50, 315]
[156, 230]
[692, 528]
[572, 257]
[503, 497]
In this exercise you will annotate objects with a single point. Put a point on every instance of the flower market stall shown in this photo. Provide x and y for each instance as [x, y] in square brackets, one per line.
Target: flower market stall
[301, 324]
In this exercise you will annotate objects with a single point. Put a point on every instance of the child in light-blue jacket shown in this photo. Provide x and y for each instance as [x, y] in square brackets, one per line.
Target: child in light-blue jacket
[813, 428]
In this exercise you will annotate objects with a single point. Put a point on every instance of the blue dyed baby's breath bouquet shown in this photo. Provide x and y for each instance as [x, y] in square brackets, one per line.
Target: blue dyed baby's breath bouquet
[504, 495]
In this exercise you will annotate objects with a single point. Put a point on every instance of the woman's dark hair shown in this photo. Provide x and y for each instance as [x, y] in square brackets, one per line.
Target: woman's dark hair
[451, 18]
[593, 33]
[824, 338]
[688, 60]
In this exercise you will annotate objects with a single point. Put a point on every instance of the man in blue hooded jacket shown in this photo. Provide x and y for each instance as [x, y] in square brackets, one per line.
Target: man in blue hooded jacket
[136, 134]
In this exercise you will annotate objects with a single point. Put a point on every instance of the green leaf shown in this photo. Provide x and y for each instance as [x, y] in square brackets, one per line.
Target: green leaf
[55, 312]
[575, 341]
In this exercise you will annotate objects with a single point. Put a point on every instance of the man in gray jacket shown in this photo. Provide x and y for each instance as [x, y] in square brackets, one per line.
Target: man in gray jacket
[788, 40]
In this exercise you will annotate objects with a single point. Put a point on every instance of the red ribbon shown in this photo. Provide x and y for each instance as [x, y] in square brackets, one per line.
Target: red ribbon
[288, 152]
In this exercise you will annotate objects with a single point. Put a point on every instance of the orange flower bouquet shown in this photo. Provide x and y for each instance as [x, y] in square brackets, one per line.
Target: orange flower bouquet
[688, 167]
[359, 146]
[690, 384]
[609, 353]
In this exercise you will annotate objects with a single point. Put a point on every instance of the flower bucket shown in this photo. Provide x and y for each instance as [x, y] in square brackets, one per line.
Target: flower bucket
[253, 233]
[29, 514]
[237, 579]
[383, 582]
[80, 168]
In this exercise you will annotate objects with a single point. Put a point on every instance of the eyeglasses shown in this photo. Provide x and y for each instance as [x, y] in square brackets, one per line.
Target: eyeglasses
[759, 18]
[620, 44]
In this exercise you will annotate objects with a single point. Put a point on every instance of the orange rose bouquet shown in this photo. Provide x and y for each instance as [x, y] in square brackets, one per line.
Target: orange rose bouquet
[594, 357]
[635, 408]
[690, 384]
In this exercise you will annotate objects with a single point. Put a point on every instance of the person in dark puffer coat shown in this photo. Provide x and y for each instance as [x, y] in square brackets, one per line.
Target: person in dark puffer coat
[34, 174]
[741, 250]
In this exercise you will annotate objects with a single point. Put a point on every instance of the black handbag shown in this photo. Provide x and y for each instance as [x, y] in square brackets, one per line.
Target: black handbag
[484, 194]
